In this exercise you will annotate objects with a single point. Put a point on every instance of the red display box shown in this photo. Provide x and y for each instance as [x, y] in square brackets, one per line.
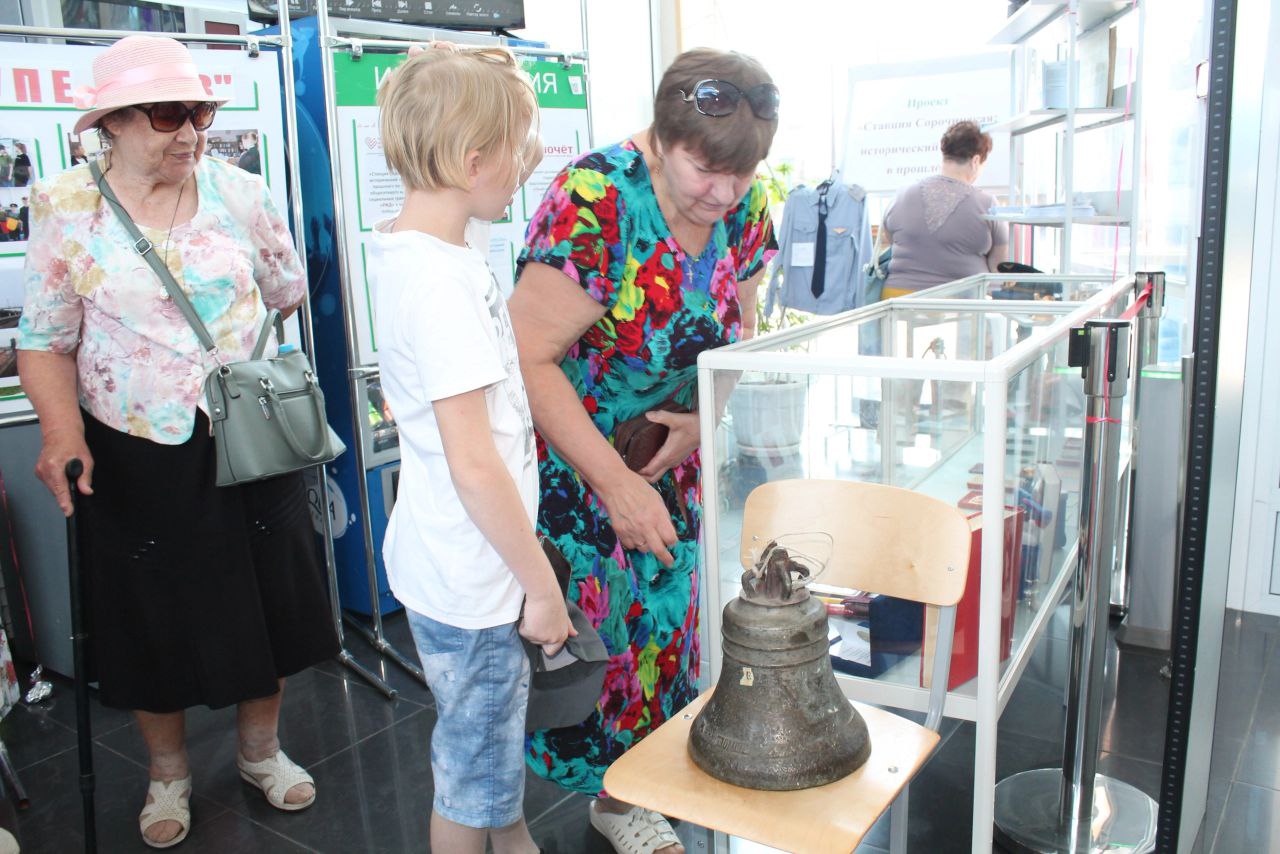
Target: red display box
[964, 652]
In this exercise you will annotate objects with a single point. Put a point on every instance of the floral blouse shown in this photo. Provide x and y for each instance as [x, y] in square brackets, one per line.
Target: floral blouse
[141, 369]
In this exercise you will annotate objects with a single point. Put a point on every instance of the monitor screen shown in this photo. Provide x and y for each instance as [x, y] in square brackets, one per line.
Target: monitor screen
[455, 14]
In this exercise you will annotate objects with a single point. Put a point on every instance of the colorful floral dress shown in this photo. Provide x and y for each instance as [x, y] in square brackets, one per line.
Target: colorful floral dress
[600, 225]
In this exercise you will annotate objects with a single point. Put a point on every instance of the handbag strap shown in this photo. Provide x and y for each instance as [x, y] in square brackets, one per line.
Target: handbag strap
[145, 248]
[273, 319]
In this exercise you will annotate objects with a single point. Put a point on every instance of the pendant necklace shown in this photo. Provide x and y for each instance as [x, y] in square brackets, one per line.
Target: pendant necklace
[168, 237]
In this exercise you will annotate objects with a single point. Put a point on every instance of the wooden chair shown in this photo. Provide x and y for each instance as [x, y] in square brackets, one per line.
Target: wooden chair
[885, 540]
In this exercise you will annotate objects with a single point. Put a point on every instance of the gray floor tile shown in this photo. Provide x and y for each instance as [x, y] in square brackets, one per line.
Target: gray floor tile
[1260, 758]
[61, 707]
[231, 832]
[1145, 776]
[320, 717]
[1135, 706]
[396, 631]
[1250, 822]
[54, 822]
[373, 797]
[1219, 790]
[31, 734]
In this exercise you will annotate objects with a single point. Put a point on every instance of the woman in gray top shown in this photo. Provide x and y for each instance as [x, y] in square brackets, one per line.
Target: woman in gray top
[936, 226]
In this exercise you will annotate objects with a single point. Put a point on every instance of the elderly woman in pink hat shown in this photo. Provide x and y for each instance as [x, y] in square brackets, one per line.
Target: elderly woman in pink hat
[199, 594]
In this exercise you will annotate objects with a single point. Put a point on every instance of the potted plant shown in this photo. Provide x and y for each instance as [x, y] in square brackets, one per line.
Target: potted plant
[768, 409]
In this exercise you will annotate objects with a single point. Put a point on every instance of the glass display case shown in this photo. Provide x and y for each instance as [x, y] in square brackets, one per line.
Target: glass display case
[1037, 288]
[953, 393]
[958, 392]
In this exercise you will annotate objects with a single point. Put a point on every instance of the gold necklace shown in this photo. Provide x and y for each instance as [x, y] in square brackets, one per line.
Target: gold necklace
[168, 237]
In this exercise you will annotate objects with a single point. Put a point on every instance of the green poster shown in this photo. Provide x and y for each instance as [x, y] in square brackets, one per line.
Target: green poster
[357, 80]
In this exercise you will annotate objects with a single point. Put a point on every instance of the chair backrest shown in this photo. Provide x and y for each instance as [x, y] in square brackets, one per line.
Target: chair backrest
[884, 539]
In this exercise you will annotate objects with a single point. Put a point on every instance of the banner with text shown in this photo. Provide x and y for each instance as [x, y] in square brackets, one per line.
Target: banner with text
[372, 192]
[36, 117]
[898, 113]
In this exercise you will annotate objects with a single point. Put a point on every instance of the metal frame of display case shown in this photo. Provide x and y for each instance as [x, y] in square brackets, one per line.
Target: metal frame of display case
[983, 699]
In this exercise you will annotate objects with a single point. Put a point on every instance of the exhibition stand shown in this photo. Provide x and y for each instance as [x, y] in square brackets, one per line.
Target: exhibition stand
[347, 189]
[263, 101]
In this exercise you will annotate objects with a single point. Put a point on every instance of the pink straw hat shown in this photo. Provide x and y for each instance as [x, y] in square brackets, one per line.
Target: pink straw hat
[139, 70]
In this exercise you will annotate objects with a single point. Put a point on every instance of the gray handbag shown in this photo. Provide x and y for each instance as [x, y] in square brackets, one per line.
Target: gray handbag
[268, 414]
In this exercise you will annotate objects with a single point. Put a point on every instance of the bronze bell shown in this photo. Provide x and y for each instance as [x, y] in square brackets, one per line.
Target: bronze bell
[777, 719]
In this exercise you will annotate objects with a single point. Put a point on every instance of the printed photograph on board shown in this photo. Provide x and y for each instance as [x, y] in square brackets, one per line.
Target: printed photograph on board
[80, 149]
[14, 217]
[10, 311]
[15, 161]
[237, 147]
[386, 434]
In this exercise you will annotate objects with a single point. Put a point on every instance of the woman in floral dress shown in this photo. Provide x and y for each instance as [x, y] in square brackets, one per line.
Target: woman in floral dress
[642, 255]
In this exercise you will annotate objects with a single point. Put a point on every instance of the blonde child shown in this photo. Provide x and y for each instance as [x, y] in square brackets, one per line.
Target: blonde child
[459, 126]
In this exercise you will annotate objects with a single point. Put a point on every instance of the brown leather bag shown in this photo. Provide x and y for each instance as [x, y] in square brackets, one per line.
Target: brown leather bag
[638, 439]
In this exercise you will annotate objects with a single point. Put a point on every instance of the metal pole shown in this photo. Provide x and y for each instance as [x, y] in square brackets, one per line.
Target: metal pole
[355, 373]
[1069, 135]
[1053, 810]
[308, 342]
[79, 649]
[1146, 353]
[1106, 376]
[115, 35]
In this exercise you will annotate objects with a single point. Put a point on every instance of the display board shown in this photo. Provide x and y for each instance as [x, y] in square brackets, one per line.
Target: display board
[372, 192]
[37, 115]
[897, 114]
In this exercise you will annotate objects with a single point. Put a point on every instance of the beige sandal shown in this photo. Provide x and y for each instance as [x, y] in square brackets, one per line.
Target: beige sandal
[636, 831]
[170, 801]
[275, 776]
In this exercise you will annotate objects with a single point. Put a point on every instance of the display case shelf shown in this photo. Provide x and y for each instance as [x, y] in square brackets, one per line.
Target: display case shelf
[1087, 118]
[1027, 21]
[1035, 15]
[1085, 60]
[1057, 221]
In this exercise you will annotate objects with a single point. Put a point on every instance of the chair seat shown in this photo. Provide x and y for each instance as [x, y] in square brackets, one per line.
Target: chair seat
[658, 774]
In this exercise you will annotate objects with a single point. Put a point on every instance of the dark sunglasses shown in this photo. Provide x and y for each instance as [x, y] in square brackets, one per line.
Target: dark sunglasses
[169, 116]
[717, 98]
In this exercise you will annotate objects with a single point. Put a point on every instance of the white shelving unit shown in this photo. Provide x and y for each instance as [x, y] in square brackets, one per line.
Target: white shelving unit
[1082, 18]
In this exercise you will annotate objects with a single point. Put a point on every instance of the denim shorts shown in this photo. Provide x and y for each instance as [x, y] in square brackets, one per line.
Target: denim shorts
[480, 681]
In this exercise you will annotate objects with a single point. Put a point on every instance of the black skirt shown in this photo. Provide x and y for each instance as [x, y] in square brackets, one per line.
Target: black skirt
[198, 594]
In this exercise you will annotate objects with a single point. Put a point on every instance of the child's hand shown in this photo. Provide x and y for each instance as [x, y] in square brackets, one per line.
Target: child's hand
[546, 622]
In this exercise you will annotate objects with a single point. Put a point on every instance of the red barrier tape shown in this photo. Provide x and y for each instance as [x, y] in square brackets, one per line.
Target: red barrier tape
[1140, 303]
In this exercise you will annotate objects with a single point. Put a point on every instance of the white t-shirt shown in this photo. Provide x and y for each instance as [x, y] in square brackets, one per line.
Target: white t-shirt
[443, 329]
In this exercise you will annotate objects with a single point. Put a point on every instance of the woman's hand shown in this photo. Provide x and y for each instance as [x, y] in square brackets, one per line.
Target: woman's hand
[60, 446]
[639, 516]
[683, 437]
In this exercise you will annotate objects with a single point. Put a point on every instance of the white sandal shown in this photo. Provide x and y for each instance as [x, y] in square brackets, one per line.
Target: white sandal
[275, 776]
[169, 802]
[636, 831]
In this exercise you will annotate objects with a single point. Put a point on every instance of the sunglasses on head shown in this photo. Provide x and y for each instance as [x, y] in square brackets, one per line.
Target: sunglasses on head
[169, 116]
[717, 98]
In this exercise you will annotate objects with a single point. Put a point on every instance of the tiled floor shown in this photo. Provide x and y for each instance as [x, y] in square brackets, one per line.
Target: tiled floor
[369, 757]
[1243, 813]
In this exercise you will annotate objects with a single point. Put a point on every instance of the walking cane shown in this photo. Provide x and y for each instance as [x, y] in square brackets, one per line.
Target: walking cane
[74, 469]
